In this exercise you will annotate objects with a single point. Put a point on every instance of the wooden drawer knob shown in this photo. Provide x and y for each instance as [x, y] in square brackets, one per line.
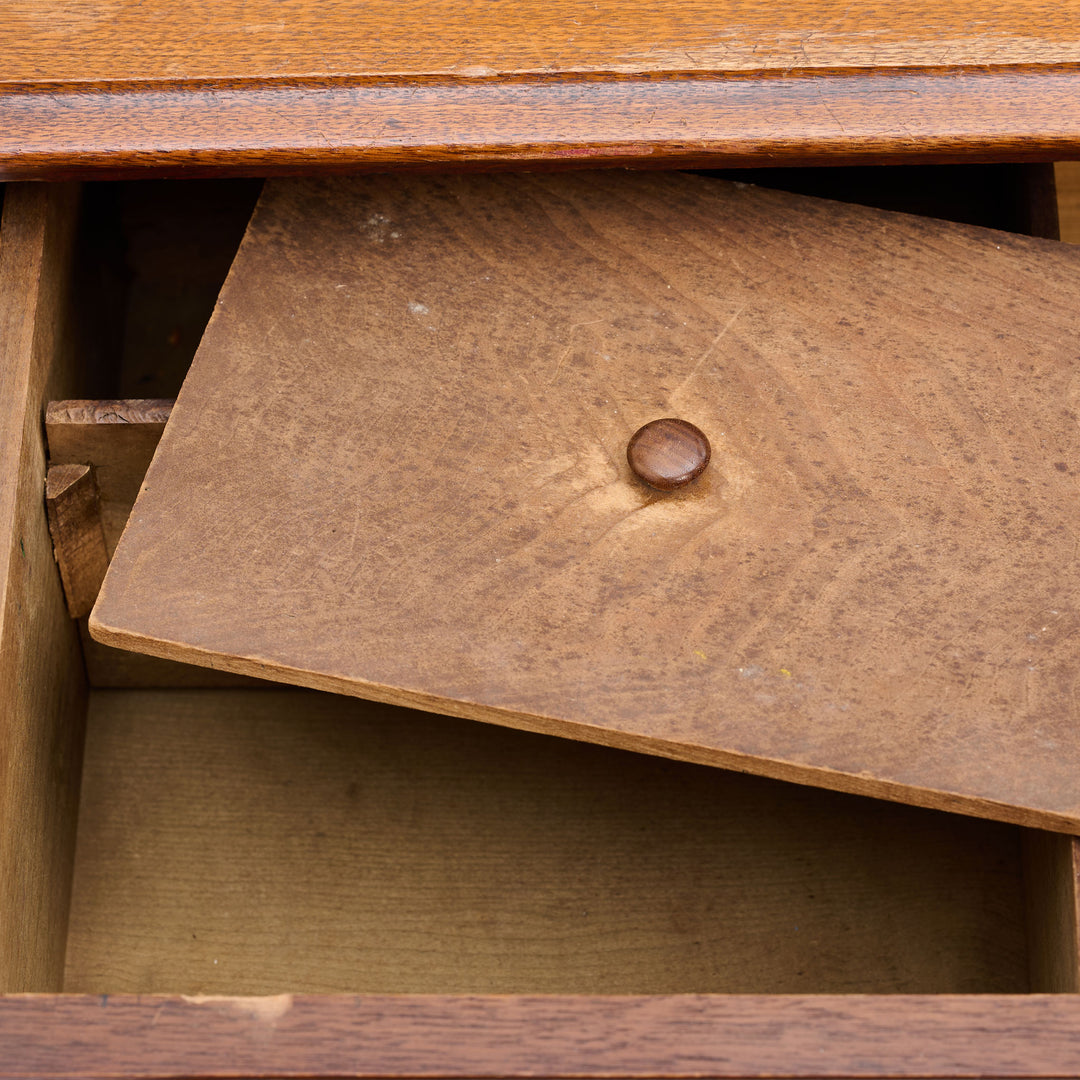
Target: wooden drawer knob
[668, 453]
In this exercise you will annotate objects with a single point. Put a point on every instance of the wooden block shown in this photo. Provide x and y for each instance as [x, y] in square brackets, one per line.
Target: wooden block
[118, 438]
[42, 685]
[74, 509]
[169, 86]
[871, 588]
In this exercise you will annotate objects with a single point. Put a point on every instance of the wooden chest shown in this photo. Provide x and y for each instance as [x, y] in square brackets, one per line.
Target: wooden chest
[206, 877]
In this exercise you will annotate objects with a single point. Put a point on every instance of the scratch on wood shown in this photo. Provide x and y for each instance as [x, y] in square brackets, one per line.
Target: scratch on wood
[267, 1010]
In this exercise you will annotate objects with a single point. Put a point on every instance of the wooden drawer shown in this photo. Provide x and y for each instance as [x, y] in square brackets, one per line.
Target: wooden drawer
[215, 843]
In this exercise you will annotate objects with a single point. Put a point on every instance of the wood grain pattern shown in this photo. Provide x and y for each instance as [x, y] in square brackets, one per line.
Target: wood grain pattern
[265, 841]
[953, 114]
[42, 686]
[1052, 877]
[874, 591]
[156, 40]
[692, 1037]
[117, 437]
[73, 507]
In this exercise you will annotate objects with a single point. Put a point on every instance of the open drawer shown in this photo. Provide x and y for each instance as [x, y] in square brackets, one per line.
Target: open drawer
[216, 842]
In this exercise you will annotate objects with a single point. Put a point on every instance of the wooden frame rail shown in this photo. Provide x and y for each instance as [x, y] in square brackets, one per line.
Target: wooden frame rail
[85, 1038]
[106, 131]
[253, 87]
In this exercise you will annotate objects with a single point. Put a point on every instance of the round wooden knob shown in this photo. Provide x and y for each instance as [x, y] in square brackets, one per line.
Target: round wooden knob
[668, 453]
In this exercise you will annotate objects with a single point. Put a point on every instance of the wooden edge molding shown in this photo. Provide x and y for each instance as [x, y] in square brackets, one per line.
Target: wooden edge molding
[102, 131]
[109, 411]
[403, 1036]
[74, 511]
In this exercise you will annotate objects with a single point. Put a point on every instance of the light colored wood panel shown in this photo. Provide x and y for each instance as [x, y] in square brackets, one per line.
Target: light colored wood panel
[42, 686]
[1052, 876]
[270, 840]
[74, 512]
[1067, 178]
[872, 587]
[118, 438]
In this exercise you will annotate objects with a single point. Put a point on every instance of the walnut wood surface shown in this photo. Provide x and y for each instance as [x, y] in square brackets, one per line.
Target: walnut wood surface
[100, 88]
[229, 129]
[278, 840]
[42, 686]
[536, 1037]
[74, 511]
[874, 590]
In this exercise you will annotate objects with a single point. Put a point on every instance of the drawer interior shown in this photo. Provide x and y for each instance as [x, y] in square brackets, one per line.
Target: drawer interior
[259, 841]
[251, 839]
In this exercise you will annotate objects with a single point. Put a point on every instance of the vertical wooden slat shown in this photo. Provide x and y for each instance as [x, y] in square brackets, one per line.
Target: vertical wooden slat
[1067, 181]
[1051, 873]
[42, 686]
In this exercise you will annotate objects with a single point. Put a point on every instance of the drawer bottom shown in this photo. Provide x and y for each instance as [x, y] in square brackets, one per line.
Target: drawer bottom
[258, 841]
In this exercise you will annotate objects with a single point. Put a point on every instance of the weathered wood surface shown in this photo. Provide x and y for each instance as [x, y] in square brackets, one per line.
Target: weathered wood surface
[73, 506]
[278, 840]
[118, 438]
[871, 588]
[97, 88]
[84, 1038]
[42, 686]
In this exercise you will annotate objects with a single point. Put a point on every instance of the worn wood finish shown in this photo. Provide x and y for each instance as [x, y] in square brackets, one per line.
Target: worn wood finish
[42, 687]
[871, 589]
[685, 1037]
[118, 438]
[73, 507]
[1052, 876]
[272, 840]
[950, 115]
